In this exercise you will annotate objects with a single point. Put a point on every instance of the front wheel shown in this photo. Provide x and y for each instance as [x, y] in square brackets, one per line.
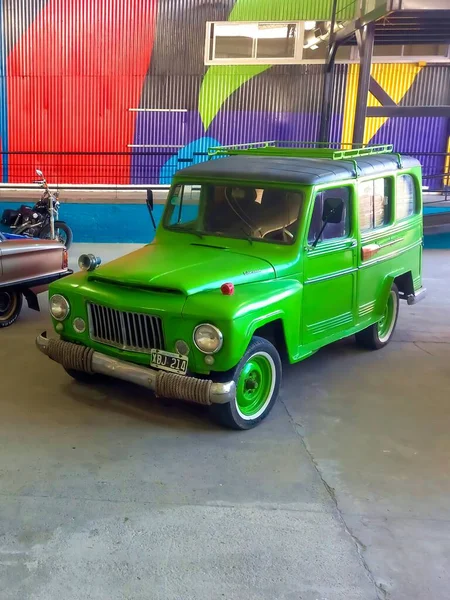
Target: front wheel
[63, 233]
[10, 306]
[379, 334]
[258, 379]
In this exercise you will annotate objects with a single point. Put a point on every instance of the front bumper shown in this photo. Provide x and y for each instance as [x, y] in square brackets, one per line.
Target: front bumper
[167, 385]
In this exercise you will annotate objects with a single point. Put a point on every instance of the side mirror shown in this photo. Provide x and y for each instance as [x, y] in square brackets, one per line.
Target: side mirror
[149, 201]
[333, 210]
[39, 172]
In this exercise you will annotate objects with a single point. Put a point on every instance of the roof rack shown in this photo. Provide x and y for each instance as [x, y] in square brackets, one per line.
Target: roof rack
[299, 149]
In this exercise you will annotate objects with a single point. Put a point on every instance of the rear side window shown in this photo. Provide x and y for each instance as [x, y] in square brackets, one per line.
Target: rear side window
[375, 203]
[406, 196]
[332, 230]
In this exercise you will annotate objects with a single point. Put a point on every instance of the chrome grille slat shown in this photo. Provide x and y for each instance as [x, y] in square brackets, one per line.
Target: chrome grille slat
[139, 318]
[153, 329]
[159, 333]
[147, 338]
[126, 330]
[103, 328]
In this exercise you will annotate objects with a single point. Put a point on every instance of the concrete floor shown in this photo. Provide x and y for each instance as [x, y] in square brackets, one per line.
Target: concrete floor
[342, 494]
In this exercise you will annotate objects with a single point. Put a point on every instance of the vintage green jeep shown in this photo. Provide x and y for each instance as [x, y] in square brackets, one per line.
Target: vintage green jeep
[263, 253]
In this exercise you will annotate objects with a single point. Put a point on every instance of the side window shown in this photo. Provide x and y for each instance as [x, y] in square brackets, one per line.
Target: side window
[406, 196]
[375, 202]
[331, 231]
[184, 204]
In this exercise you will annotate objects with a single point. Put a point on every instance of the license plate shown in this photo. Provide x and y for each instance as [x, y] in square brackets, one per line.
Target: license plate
[168, 361]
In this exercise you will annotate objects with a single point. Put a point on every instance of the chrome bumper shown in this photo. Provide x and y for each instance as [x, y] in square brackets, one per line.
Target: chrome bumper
[169, 385]
[417, 296]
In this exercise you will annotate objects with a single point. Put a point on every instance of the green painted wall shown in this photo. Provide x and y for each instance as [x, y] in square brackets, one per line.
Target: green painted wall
[221, 81]
[284, 10]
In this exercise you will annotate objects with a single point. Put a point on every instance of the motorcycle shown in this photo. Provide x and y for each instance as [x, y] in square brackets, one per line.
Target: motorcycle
[41, 220]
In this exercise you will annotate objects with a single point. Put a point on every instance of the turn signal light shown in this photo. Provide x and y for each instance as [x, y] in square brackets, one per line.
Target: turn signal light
[65, 259]
[227, 289]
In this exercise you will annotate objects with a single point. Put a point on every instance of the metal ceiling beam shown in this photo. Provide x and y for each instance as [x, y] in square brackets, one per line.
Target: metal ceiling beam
[380, 94]
[365, 38]
[408, 111]
[328, 81]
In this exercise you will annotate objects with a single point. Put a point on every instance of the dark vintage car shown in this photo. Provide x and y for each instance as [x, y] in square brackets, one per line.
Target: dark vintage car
[27, 267]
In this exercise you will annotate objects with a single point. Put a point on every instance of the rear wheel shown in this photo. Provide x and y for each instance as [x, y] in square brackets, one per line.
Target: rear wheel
[63, 233]
[379, 334]
[258, 379]
[10, 306]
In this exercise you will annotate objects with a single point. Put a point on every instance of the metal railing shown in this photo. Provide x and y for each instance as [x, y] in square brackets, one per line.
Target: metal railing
[435, 172]
[143, 169]
[132, 169]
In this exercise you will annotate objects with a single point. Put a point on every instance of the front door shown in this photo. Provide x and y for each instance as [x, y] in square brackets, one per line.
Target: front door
[330, 271]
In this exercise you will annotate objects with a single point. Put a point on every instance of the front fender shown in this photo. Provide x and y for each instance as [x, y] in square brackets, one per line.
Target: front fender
[240, 315]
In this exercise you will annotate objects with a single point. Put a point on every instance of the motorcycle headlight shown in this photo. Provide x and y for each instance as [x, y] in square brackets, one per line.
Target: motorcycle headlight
[59, 307]
[208, 338]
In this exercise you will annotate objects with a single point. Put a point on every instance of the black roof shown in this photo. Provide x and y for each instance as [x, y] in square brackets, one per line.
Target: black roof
[308, 171]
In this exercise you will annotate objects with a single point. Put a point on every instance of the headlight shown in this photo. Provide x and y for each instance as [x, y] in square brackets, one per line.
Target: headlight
[208, 338]
[59, 307]
[89, 262]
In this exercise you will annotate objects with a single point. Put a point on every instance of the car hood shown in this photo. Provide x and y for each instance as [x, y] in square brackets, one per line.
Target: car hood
[184, 269]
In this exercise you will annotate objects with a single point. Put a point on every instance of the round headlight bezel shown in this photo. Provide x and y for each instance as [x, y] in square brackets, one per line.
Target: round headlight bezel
[218, 334]
[79, 325]
[64, 302]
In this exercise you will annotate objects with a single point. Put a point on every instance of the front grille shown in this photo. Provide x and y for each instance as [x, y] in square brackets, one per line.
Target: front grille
[126, 330]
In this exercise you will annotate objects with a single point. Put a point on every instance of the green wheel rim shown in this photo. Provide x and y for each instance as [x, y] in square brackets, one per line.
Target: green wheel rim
[255, 385]
[386, 323]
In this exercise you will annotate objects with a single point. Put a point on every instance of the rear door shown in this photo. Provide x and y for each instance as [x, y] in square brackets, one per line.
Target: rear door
[330, 270]
[390, 243]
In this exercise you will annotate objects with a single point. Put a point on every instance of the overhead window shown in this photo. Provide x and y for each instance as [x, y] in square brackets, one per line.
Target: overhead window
[409, 52]
[248, 43]
[293, 42]
[375, 199]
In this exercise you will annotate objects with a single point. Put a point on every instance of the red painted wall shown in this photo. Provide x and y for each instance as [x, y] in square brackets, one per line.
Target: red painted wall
[72, 77]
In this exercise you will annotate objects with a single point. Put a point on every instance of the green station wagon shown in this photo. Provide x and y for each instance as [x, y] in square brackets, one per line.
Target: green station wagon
[264, 253]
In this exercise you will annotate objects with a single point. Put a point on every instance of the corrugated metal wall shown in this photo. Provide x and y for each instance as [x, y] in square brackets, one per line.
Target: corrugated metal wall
[71, 70]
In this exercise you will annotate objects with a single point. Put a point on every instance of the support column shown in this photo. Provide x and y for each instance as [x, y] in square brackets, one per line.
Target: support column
[327, 96]
[365, 38]
[328, 82]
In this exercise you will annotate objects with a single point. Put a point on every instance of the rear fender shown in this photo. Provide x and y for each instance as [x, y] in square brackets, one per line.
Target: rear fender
[405, 285]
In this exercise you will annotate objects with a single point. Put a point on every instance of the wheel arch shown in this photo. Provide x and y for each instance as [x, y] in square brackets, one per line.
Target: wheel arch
[273, 330]
[404, 282]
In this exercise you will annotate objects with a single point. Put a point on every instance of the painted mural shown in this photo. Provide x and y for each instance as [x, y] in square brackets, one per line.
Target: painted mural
[116, 91]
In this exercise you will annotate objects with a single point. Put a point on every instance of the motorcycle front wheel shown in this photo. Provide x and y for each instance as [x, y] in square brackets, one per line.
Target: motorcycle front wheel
[63, 233]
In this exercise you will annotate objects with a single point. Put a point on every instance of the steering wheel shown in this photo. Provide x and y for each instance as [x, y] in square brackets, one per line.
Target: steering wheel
[286, 235]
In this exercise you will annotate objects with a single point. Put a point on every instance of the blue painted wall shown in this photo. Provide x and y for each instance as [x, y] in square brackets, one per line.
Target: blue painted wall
[130, 223]
[104, 223]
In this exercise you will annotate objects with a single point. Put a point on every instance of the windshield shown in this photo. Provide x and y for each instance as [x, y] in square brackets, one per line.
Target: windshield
[245, 212]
